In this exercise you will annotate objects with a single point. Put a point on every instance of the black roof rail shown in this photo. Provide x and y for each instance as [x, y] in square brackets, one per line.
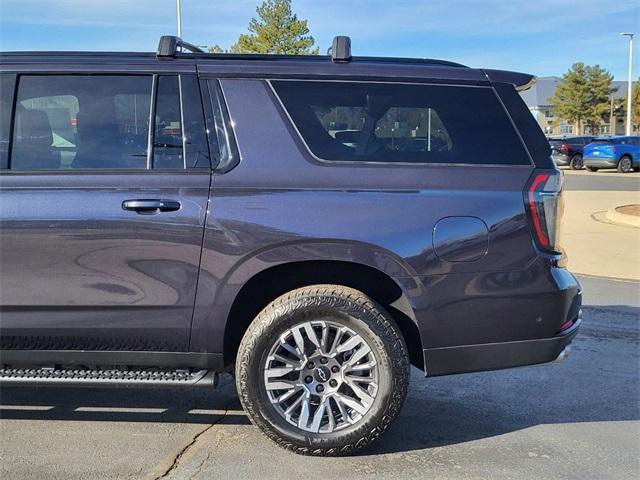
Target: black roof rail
[169, 45]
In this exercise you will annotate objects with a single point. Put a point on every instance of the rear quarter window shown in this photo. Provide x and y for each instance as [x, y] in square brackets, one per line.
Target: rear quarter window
[401, 123]
[531, 133]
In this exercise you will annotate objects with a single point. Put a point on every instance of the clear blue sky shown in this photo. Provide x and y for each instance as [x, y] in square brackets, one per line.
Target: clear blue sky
[543, 37]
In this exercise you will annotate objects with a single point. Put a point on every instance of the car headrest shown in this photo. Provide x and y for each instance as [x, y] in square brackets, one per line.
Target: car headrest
[348, 136]
[34, 128]
[95, 126]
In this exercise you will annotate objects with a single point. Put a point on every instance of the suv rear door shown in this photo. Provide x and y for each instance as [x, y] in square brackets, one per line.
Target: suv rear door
[103, 197]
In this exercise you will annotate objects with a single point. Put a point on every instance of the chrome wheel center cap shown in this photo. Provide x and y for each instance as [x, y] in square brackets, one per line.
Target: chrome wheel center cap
[322, 374]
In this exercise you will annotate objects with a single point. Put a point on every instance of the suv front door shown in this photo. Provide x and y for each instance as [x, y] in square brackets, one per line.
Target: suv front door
[102, 211]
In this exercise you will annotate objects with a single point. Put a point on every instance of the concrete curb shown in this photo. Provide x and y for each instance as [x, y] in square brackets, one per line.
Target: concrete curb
[615, 216]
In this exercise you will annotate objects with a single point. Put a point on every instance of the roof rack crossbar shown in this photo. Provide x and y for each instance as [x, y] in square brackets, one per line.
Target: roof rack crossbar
[169, 45]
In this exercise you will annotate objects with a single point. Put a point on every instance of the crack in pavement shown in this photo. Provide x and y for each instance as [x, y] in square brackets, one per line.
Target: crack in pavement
[199, 467]
[197, 470]
[185, 449]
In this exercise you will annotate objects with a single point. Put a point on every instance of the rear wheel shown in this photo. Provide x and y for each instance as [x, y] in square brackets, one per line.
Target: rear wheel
[625, 165]
[576, 162]
[322, 370]
[592, 169]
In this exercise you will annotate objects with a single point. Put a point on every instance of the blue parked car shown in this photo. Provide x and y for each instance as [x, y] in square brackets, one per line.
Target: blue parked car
[622, 153]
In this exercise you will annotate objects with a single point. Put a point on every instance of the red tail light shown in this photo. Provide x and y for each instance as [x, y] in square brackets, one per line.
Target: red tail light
[566, 325]
[564, 147]
[543, 200]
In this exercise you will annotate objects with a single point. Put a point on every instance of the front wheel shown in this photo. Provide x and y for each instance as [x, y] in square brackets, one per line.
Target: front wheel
[625, 165]
[576, 162]
[322, 370]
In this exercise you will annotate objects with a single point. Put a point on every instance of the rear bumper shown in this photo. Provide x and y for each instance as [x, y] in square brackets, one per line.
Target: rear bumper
[600, 162]
[561, 159]
[496, 356]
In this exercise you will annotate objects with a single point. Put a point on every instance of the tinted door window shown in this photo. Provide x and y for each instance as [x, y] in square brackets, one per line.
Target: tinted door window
[78, 121]
[378, 122]
[168, 150]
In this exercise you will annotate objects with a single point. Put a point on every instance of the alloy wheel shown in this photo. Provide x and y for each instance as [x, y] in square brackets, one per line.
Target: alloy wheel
[578, 162]
[321, 376]
[625, 165]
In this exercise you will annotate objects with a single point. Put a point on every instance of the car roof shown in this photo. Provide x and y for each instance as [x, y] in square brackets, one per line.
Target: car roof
[615, 137]
[570, 137]
[280, 66]
[228, 56]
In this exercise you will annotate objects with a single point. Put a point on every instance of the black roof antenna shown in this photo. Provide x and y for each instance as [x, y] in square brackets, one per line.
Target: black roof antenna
[340, 50]
[169, 45]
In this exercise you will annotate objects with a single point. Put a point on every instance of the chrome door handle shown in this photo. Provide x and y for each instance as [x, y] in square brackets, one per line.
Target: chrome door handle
[151, 206]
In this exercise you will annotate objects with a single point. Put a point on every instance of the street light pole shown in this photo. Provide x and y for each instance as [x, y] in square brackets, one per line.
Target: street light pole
[629, 78]
[179, 15]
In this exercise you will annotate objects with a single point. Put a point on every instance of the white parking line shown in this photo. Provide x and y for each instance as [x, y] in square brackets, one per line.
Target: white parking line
[40, 408]
[120, 410]
[203, 411]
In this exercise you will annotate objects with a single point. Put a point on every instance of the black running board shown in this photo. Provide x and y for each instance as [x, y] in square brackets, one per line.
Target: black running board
[175, 360]
[107, 377]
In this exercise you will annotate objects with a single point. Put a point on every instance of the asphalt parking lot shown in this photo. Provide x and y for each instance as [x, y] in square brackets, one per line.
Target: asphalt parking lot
[594, 244]
[577, 419]
[600, 181]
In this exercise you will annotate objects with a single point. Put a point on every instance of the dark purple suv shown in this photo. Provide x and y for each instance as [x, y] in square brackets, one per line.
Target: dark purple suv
[315, 224]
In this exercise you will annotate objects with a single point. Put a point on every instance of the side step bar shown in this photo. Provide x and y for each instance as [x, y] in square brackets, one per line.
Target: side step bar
[107, 377]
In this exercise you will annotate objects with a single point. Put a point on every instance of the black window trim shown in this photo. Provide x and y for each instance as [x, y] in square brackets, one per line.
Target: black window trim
[370, 163]
[151, 134]
[4, 159]
[183, 123]
[216, 94]
[5, 168]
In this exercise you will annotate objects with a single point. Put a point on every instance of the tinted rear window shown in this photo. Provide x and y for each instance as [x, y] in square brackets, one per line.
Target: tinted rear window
[527, 124]
[402, 123]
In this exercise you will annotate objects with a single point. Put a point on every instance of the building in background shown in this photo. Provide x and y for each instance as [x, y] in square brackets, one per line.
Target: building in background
[537, 99]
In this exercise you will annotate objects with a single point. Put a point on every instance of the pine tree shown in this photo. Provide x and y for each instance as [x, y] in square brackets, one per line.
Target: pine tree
[583, 95]
[276, 30]
[599, 81]
[635, 104]
[216, 49]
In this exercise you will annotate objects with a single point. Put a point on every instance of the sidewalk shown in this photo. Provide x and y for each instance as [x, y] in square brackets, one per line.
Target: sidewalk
[595, 245]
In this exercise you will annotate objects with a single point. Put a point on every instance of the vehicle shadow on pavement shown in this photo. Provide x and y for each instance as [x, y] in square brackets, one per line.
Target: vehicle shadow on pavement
[121, 404]
[598, 383]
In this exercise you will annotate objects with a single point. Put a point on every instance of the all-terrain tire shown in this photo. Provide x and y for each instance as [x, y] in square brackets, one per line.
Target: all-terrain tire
[348, 307]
